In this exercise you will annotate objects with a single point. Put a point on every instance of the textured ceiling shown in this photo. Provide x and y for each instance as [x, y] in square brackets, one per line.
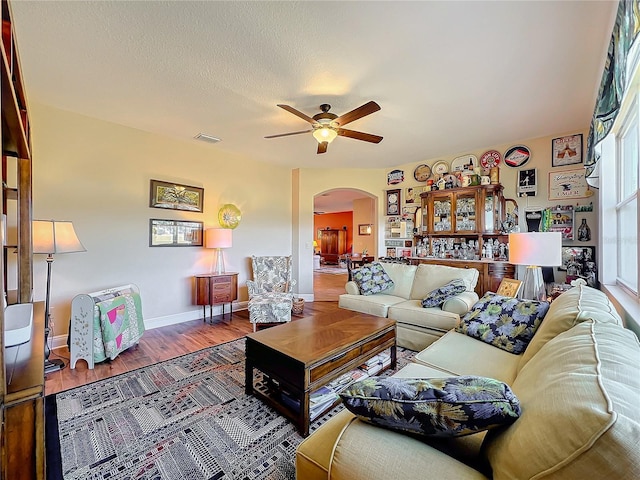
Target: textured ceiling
[450, 76]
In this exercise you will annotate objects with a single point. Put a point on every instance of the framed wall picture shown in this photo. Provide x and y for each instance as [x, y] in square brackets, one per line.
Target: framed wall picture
[412, 194]
[528, 182]
[364, 229]
[568, 184]
[509, 287]
[566, 150]
[175, 233]
[393, 202]
[175, 196]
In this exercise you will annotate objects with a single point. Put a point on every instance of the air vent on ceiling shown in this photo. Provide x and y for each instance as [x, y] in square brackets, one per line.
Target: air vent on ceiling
[207, 138]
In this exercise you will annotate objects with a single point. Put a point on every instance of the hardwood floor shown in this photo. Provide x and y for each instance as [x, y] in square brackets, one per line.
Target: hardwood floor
[172, 341]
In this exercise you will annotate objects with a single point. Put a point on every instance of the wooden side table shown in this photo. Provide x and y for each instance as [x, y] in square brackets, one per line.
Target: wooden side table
[216, 289]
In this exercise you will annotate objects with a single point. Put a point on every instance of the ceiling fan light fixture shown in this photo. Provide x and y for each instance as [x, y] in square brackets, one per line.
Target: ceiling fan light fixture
[325, 134]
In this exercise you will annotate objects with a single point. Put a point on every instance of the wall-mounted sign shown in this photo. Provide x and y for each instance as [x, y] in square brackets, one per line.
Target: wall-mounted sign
[527, 183]
[568, 184]
[394, 177]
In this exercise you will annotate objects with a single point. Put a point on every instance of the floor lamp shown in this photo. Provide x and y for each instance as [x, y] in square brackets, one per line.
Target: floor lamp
[535, 249]
[218, 238]
[53, 237]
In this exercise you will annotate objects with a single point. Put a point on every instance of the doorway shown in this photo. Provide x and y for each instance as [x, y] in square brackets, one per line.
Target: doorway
[344, 224]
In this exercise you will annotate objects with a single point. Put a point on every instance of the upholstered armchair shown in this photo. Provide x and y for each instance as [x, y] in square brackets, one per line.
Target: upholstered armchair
[271, 290]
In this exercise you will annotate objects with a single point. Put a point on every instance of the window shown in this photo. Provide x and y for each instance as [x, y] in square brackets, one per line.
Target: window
[627, 201]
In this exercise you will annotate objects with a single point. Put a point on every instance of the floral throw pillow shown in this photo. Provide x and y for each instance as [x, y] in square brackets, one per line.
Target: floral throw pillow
[437, 297]
[504, 322]
[372, 279]
[442, 407]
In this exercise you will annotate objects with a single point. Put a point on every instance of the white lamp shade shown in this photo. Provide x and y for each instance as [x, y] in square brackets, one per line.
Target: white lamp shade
[543, 249]
[218, 238]
[52, 236]
[325, 134]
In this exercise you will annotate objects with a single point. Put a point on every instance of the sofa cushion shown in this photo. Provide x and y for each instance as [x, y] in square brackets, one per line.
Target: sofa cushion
[462, 355]
[402, 276]
[413, 313]
[461, 303]
[377, 305]
[444, 407]
[429, 277]
[436, 297]
[572, 307]
[504, 322]
[580, 416]
[372, 279]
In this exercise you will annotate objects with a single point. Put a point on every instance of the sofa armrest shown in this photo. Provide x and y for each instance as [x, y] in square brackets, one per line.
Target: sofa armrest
[366, 452]
[461, 303]
[352, 288]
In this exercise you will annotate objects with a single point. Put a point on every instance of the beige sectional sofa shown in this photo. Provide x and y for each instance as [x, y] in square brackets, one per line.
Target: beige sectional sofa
[578, 383]
[417, 326]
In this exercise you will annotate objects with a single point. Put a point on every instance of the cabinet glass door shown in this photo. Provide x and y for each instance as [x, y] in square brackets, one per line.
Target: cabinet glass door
[492, 212]
[442, 214]
[466, 213]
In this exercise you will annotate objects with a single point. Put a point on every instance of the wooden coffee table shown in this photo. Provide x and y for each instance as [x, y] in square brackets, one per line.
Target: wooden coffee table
[301, 356]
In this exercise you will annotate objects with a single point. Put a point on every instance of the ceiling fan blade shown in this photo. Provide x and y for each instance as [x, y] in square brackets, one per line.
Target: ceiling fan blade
[322, 147]
[367, 137]
[298, 113]
[362, 111]
[287, 134]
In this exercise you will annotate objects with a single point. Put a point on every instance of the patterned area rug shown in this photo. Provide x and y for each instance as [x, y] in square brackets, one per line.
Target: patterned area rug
[186, 418]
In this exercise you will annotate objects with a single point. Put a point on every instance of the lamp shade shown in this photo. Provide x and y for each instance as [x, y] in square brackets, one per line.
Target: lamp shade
[536, 248]
[325, 134]
[218, 238]
[52, 236]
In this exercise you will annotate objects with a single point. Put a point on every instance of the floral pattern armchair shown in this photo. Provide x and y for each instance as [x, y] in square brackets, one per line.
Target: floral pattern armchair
[271, 290]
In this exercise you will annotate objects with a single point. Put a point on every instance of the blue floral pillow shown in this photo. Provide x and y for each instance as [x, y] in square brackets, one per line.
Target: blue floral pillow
[437, 297]
[372, 279]
[504, 322]
[442, 407]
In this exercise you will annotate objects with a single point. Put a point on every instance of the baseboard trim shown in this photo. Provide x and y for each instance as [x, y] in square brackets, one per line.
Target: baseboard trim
[60, 341]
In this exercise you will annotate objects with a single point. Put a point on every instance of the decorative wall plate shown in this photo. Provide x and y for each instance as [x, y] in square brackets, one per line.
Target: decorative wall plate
[517, 156]
[464, 162]
[422, 173]
[229, 216]
[490, 159]
[440, 168]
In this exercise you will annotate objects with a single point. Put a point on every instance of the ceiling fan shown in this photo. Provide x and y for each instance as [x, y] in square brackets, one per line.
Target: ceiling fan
[327, 126]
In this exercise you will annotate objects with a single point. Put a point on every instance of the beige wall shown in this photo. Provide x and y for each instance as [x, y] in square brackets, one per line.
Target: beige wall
[97, 174]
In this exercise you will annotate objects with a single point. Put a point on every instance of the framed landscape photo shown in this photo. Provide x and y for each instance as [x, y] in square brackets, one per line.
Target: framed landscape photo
[566, 150]
[175, 196]
[175, 233]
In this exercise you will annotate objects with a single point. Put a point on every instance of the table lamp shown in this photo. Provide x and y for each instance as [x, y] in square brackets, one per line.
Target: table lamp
[535, 249]
[218, 238]
[49, 237]
[315, 247]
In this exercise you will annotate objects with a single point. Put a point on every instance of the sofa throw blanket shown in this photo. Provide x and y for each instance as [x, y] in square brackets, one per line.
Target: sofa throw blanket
[118, 325]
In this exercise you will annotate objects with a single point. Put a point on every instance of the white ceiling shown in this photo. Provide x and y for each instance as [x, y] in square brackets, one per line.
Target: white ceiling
[450, 76]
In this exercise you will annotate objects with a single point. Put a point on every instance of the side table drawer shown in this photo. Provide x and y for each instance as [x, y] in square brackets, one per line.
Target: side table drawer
[222, 297]
[222, 279]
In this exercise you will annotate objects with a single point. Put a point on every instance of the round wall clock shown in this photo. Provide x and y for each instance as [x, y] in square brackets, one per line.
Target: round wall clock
[517, 156]
[440, 168]
[490, 159]
[229, 216]
[422, 173]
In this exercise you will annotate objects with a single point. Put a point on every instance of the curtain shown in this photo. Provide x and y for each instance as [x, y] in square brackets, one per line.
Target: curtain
[613, 83]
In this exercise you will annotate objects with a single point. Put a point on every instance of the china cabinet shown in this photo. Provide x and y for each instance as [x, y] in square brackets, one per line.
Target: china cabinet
[461, 227]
